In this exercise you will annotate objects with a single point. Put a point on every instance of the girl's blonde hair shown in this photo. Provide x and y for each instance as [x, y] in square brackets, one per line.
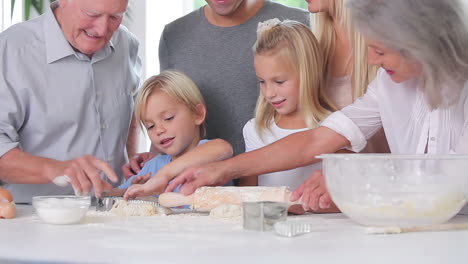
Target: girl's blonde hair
[362, 73]
[296, 44]
[177, 85]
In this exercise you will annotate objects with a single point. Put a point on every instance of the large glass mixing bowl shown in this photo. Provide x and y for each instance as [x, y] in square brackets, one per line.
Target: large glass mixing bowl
[397, 190]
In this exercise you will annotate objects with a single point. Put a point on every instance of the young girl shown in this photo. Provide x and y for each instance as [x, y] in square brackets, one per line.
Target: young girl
[289, 66]
[172, 110]
[345, 53]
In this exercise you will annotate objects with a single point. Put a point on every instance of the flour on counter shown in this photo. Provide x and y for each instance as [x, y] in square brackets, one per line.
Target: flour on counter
[125, 208]
[226, 211]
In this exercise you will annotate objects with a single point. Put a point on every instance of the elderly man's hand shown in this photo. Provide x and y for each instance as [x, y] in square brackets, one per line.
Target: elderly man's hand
[314, 195]
[211, 174]
[136, 163]
[84, 173]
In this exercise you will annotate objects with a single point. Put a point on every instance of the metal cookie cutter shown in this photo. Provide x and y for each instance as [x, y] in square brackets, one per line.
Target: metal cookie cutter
[105, 203]
[261, 216]
[292, 228]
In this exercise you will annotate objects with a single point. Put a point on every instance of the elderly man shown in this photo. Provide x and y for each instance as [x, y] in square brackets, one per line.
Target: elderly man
[213, 45]
[67, 83]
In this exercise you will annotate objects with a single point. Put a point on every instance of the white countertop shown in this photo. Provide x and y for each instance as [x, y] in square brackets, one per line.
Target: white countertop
[189, 238]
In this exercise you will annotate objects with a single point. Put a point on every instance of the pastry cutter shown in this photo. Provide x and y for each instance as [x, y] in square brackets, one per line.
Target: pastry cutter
[105, 203]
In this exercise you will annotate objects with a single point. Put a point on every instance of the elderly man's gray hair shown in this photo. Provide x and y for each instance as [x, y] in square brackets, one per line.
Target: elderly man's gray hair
[434, 32]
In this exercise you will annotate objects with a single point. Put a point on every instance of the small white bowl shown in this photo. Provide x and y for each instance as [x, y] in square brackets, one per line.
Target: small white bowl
[61, 210]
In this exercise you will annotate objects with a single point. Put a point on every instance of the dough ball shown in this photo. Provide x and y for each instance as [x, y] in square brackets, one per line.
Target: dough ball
[125, 208]
[226, 211]
[138, 208]
[163, 210]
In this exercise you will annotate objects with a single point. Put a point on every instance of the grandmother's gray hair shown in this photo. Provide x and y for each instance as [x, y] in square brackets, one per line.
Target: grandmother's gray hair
[433, 32]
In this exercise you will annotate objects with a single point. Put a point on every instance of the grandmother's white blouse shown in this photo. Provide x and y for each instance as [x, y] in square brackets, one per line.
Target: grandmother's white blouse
[409, 124]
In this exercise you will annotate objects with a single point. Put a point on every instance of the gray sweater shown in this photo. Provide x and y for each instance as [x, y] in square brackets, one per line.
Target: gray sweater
[220, 62]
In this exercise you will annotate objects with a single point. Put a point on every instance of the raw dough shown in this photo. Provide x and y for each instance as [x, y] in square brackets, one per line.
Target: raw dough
[126, 208]
[208, 198]
[163, 210]
[226, 211]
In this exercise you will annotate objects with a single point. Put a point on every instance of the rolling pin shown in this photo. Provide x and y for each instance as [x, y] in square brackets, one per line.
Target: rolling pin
[206, 198]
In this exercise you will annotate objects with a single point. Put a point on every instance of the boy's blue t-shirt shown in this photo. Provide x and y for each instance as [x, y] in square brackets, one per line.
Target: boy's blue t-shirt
[154, 165]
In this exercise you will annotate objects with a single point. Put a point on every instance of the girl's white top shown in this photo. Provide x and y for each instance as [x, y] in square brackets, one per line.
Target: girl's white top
[292, 178]
[410, 126]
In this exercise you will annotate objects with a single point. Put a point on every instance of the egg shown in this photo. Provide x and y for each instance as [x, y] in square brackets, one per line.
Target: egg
[5, 195]
[7, 210]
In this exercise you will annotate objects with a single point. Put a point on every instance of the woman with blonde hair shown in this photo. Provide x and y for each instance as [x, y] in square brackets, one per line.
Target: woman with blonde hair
[347, 73]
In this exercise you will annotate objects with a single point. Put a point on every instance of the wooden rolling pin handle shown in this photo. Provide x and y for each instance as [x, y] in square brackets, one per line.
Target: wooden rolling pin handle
[172, 199]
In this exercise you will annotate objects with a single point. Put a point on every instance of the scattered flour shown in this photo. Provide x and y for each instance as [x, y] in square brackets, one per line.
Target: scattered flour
[226, 211]
[125, 208]
[163, 210]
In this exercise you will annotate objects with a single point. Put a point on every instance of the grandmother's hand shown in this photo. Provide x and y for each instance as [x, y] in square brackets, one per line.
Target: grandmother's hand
[155, 185]
[314, 195]
[211, 174]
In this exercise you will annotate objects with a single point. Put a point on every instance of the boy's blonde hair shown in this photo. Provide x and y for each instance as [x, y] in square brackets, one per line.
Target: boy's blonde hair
[177, 85]
[296, 44]
[362, 73]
